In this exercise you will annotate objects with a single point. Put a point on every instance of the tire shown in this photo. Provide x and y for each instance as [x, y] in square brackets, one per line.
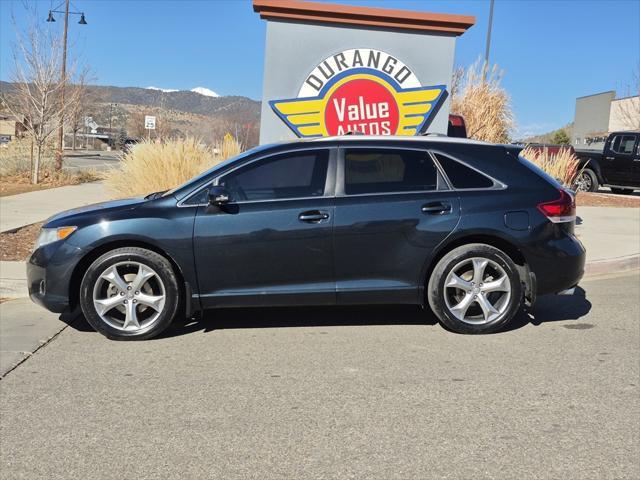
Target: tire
[622, 191]
[136, 291]
[445, 293]
[586, 181]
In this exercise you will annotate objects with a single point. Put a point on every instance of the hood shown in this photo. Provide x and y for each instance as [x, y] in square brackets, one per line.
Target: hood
[62, 218]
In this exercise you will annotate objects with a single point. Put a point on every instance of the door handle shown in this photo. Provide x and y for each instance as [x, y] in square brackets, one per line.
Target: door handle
[610, 158]
[313, 216]
[438, 208]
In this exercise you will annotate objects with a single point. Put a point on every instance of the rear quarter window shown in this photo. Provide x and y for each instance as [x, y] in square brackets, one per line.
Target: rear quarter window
[462, 176]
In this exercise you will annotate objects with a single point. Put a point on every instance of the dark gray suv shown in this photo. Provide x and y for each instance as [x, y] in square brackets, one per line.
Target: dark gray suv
[467, 228]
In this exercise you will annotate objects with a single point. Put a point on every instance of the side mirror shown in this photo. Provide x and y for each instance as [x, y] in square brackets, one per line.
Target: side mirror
[218, 196]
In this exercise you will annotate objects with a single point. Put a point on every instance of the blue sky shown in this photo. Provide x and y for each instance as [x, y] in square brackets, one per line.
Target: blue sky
[551, 51]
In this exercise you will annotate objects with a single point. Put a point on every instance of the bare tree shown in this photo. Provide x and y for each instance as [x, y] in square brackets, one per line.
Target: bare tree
[628, 108]
[78, 108]
[34, 97]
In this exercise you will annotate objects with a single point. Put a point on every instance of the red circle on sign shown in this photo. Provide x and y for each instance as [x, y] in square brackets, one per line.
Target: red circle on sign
[361, 105]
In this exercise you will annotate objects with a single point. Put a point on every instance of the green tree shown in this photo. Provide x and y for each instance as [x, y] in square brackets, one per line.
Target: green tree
[561, 138]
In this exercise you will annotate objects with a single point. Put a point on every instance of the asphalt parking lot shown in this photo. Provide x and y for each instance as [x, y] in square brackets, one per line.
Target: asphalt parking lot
[381, 393]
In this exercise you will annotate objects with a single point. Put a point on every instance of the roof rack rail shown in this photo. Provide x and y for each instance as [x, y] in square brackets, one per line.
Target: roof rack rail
[433, 134]
[354, 132]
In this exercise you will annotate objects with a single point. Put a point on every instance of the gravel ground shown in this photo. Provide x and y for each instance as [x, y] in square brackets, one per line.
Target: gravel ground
[17, 246]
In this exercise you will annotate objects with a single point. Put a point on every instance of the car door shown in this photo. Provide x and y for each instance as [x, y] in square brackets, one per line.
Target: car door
[392, 209]
[271, 244]
[635, 166]
[617, 164]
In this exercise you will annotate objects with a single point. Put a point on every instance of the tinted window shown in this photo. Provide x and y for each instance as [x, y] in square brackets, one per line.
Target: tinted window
[615, 143]
[291, 175]
[382, 171]
[462, 176]
[626, 144]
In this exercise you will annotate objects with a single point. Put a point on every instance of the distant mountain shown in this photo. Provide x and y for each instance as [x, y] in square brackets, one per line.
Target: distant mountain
[201, 90]
[199, 112]
[548, 137]
[197, 102]
[205, 91]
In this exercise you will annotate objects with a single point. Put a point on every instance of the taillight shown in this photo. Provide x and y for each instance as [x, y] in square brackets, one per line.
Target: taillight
[561, 210]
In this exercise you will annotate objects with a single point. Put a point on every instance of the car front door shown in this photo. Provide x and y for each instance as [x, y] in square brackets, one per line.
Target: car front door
[392, 209]
[617, 165]
[272, 243]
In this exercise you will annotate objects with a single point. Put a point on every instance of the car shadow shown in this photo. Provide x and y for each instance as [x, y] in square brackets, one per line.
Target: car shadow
[548, 308]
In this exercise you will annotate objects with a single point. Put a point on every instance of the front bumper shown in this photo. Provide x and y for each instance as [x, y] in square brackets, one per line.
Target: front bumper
[49, 275]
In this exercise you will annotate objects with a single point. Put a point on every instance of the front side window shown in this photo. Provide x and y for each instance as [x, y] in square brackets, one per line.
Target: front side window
[385, 171]
[462, 176]
[289, 175]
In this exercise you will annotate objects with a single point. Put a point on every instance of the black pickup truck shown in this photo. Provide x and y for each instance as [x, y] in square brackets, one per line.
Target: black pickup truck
[617, 167]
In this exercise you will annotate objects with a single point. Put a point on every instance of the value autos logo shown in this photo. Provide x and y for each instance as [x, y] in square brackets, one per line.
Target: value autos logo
[360, 90]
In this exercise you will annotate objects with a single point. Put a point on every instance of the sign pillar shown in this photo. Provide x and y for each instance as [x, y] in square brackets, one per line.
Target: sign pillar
[334, 69]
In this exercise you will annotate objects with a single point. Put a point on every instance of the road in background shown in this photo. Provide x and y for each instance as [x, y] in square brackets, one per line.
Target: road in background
[381, 393]
[91, 160]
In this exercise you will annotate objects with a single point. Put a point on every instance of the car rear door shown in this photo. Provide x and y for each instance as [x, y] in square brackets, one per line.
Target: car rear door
[392, 209]
[272, 244]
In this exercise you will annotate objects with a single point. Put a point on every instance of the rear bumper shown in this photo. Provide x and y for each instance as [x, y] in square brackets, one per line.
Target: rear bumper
[49, 272]
[559, 265]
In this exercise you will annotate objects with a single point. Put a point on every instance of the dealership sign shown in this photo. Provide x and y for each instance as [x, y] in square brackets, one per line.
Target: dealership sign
[360, 90]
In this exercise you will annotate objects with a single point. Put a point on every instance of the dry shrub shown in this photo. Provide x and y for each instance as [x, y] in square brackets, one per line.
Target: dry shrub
[151, 166]
[562, 166]
[15, 157]
[484, 104]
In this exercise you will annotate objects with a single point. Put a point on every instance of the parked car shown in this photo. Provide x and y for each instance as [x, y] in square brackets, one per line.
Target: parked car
[465, 227]
[617, 166]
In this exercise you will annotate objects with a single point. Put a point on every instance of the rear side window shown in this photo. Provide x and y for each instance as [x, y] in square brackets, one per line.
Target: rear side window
[626, 144]
[462, 176]
[290, 175]
[392, 170]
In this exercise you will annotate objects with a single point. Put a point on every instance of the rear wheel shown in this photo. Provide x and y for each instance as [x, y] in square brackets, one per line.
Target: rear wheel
[130, 294]
[586, 181]
[475, 288]
[622, 191]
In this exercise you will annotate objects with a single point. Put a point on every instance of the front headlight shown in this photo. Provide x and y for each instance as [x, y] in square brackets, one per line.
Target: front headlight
[50, 235]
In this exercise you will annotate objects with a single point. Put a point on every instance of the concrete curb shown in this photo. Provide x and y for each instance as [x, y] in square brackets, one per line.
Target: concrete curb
[612, 265]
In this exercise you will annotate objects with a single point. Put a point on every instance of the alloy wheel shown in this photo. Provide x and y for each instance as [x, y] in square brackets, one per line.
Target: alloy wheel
[583, 182]
[477, 291]
[129, 296]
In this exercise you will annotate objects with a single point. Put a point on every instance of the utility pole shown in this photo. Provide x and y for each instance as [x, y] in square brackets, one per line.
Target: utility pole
[63, 80]
[486, 52]
[111, 105]
[63, 73]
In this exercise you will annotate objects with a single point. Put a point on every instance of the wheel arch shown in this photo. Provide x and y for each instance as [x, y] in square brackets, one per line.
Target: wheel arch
[499, 242]
[86, 261]
[592, 164]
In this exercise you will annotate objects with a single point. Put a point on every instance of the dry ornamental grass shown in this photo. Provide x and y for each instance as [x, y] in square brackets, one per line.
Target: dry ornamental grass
[153, 167]
[484, 104]
[562, 166]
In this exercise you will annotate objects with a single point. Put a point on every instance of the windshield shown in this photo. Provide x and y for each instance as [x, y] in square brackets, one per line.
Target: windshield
[181, 190]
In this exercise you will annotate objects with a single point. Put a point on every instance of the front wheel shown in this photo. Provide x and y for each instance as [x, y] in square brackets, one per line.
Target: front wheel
[475, 288]
[130, 294]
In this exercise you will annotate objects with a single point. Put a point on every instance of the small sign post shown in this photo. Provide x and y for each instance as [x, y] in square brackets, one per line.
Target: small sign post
[149, 123]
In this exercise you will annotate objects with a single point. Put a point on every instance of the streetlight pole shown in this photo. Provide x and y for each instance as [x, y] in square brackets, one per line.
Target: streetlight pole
[63, 73]
[488, 47]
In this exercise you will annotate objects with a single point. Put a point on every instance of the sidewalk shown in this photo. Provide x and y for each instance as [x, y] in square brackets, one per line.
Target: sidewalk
[609, 233]
[26, 208]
